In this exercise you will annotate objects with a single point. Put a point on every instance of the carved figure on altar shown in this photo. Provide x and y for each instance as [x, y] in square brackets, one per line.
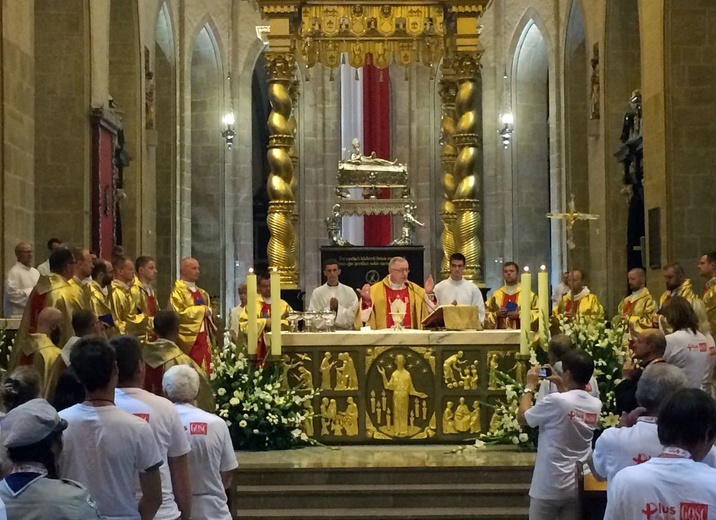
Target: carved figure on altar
[475, 426]
[333, 417]
[503, 307]
[196, 329]
[466, 378]
[326, 367]
[325, 419]
[494, 366]
[451, 364]
[340, 376]
[305, 378]
[264, 315]
[308, 421]
[348, 372]
[448, 418]
[462, 416]
[350, 417]
[375, 307]
[475, 376]
[401, 383]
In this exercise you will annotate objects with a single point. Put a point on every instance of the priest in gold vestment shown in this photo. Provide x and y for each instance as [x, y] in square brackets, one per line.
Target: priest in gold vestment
[196, 325]
[164, 353]
[503, 307]
[579, 301]
[100, 301]
[707, 268]
[40, 349]
[145, 298]
[51, 291]
[376, 299]
[676, 284]
[638, 309]
[123, 305]
[263, 308]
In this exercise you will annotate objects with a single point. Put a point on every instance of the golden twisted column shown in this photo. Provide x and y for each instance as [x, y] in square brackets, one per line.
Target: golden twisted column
[293, 153]
[448, 153]
[281, 67]
[466, 201]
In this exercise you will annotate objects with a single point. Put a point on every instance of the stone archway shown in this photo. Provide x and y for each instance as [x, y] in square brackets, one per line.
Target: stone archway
[576, 128]
[166, 152]
[207, 184]
[62, 129]
[531, 149]
[125, 88]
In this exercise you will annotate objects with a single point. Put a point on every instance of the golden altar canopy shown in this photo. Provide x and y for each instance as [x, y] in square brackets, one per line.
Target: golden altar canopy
[441, 34]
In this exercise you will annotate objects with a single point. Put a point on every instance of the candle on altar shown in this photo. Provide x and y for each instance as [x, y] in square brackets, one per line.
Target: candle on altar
[525, 311]
[275, 312]
[543, 302]
[252, 312]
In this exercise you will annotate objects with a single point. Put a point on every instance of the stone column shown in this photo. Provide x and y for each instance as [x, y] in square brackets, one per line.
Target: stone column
[467, 172]
[281, 68]
[448, 153]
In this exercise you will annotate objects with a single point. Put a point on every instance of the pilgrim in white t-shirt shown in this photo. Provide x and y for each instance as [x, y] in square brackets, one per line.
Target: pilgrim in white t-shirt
[547, 387]
[566, 424]
[168, 431]
[211, 454]
[105, 449]
[695, 354]
[661, 488]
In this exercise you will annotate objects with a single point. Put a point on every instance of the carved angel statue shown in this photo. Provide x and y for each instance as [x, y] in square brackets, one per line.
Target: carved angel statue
[571, 217]
[407, 236]
[334, 226]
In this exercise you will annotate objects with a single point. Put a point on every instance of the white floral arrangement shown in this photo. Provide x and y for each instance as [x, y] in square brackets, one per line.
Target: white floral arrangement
[261, 410]
[609, 348]
[504, 428]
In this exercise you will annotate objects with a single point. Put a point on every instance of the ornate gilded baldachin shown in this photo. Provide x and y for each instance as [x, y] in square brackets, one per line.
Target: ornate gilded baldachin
[448, 153]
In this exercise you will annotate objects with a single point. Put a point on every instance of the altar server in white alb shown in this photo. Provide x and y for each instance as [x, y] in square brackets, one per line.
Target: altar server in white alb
[335, 297]
[458, 291]
[21, 279]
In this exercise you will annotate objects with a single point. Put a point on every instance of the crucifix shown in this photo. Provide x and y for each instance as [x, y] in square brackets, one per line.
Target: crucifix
[571, 217]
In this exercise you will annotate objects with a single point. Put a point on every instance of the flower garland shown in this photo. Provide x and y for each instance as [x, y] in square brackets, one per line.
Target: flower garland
[260, 408]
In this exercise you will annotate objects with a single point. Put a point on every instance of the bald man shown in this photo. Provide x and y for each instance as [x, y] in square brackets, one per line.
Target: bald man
[40, 348]
[20, 280]
[638, 310]
[191, 303]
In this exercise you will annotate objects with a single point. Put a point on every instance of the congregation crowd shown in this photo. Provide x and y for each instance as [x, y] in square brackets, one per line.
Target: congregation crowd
[108, 404]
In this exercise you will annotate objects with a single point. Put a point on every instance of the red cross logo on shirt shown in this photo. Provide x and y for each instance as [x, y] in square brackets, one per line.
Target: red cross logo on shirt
[641, 458]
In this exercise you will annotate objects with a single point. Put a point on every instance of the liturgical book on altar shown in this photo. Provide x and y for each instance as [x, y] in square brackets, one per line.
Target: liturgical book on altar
[454, 317]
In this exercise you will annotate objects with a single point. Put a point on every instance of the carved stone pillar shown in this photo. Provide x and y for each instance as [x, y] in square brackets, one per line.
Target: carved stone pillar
[281, 68]
[467, 175]
[448, 153]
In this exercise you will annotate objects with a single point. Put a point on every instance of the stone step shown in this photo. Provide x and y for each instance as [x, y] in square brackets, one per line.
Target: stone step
[439, 495]
[255, 476]
[440, 513]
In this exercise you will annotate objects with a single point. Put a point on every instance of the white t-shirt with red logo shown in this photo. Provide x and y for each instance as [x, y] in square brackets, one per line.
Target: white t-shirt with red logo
[663, 489]
[168, 432]
[695, 354]
[566, 424]
[211, 453]
[105, 449]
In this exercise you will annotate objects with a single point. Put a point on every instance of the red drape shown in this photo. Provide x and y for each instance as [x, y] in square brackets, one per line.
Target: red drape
[376, 138]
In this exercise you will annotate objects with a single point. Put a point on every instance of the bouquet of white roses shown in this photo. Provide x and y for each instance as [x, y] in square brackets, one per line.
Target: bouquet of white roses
[262, 412]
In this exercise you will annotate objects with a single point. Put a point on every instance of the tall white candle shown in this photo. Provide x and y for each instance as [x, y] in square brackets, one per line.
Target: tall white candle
[525, 311]
[543, 302]
[252, 312]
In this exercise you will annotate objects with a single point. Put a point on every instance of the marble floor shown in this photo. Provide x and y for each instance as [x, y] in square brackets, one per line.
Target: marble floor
[387, 456]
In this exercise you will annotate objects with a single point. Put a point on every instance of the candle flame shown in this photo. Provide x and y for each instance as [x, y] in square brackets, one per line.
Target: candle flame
[274, 269]
[543, 267]
[251, 270]
[527, 269]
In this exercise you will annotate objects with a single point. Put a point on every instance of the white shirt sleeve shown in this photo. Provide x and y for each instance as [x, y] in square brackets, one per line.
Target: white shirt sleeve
[148, 455]
[228, 455]
[543, 412]
[602, 451]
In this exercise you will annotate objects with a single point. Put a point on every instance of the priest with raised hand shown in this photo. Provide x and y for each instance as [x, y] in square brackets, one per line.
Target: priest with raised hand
[51, 291]
[377, 299]
[196, 325]
[263, 320]
[335, 297]
[458, 291]
[579, 301]
[503, 307]
[145, 299]
[639, 308]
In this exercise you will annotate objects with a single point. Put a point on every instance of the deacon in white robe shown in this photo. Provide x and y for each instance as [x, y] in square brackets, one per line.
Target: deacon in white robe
[336, 297]
[458, 291]
[21, 279]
